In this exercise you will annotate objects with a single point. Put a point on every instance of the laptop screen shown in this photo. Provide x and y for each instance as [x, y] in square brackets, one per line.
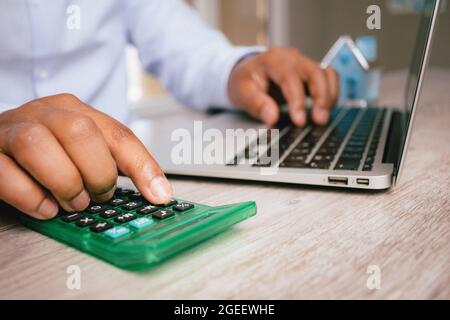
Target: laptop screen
[416, 72]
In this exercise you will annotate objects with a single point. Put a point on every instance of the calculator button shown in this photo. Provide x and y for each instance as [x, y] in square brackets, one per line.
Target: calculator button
[116, 232]
[110, 213]
[170, 203]
[117, 202]
[135, 195]
[85, 221]
[141, 223]
[132, 205]
[181, 207]
[123, 192]
[95, 208]
[147, 210]
[101, 226]
[162, 214]
[125, 218]
[71, 217]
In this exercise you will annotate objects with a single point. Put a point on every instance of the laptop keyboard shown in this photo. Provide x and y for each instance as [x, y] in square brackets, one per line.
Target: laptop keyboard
[349, 142]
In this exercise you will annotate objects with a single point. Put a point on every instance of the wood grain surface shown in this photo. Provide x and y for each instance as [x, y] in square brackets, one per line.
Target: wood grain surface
[305, 242]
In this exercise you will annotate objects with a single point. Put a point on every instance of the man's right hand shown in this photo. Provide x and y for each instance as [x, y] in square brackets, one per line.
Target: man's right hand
[59, 150]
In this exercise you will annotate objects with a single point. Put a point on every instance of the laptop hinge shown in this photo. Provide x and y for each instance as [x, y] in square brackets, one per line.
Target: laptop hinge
[395, 137]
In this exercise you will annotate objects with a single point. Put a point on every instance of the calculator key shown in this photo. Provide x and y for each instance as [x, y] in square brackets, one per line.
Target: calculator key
[132, 205]
[170, 203]
[123, 192]
[162, 215]
[95, 208]
[125, 218]
[140, 223]
[135, 195]
[117, 202]
[85, 221]
[182, 207]
[101, 226]
[147, 210]
[71, 217]
[110, 213]
[116, 232]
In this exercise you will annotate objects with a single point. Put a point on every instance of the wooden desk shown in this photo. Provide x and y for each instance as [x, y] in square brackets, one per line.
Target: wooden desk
[304, 243]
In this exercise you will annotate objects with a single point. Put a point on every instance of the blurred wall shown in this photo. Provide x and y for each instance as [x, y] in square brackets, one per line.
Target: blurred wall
[314, 25]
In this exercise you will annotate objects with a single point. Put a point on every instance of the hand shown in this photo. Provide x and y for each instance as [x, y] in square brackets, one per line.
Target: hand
[59, 150]
[289, 69]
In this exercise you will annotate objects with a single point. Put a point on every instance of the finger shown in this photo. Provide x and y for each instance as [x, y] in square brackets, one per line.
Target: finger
[292, 88]
[318, 86]
[333, 84]
[83, 141]
[36, 150]
[19, 190]
[135, 161]
[259, 104]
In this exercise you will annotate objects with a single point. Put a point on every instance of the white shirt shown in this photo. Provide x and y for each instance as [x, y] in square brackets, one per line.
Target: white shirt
[78, 46]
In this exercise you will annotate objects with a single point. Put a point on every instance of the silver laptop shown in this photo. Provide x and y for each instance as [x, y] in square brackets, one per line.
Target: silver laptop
[362, 147]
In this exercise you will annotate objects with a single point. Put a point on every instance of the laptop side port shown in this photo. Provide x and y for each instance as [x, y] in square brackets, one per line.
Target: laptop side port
[338, 180]
[363, 182]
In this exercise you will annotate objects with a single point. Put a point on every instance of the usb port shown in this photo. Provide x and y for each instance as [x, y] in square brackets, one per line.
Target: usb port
[338, 180]
[364, 182]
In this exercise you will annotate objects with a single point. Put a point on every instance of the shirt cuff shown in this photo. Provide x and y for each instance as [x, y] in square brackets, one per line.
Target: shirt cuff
[237, 55]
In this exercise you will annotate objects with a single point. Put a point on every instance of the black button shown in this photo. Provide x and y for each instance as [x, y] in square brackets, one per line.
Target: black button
[85, 221]
[147, 210]
[132, 205]
[125, 218]
[123, 192]
[135, 196]
[71, 217]
[170, 203]
[162, 215]
[101, 226]
[110, 213]
[117, 202]
[182, 207]
[95, 208]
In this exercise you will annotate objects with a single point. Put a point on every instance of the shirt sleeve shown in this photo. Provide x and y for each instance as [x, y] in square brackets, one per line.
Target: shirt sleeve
[192, 60]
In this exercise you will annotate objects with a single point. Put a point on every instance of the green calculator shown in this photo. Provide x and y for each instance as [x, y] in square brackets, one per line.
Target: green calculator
[134, 234]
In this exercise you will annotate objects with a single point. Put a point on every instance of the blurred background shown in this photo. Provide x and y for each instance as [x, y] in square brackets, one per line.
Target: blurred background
[312, 26]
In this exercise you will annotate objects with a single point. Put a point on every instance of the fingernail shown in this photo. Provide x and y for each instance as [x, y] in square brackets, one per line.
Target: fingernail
[48, 209]
[80, 202]
[300, 118]
[161, 189]
[266, 115]
[322, 115]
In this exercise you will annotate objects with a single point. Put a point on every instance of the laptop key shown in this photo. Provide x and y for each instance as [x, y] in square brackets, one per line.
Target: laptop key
[347, 165]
